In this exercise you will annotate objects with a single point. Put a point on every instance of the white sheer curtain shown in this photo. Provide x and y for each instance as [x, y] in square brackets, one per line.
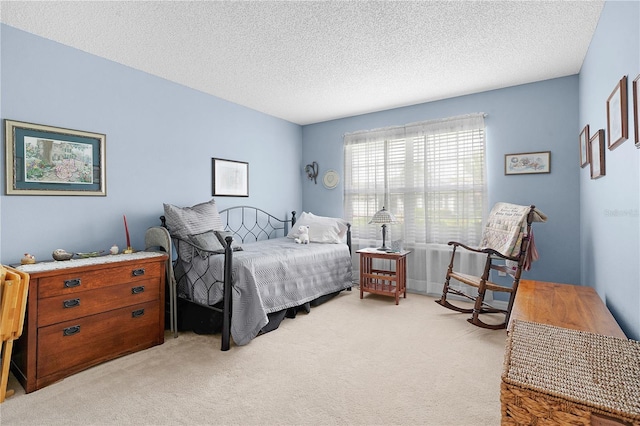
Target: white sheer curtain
[431, 176]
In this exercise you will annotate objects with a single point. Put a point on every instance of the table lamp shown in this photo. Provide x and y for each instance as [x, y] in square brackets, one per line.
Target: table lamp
[383, 216]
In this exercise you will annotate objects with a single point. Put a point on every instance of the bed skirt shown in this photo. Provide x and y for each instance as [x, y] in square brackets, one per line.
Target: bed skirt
[203, 320]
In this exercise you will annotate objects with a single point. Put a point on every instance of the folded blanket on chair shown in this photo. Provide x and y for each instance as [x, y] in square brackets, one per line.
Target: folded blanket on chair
[506, 226]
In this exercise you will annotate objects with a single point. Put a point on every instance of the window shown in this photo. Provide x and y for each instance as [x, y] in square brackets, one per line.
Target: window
[430, 175]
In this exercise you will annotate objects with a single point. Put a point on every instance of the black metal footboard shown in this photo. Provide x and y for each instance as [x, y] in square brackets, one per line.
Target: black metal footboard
[226, 291]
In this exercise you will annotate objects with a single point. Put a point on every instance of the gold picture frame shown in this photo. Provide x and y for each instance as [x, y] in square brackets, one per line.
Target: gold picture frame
[47, 160]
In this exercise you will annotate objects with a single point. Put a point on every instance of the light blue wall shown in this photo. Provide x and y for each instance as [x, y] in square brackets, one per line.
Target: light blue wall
[609, 206]
[534, 117]
[161, 137]
[160, 140]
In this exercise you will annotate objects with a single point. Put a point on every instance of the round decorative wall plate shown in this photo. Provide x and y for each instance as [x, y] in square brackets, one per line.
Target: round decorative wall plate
[330, 179]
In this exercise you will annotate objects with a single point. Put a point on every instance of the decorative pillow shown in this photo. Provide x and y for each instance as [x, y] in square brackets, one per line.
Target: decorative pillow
[206, 243]
[235, 246]
[185, 221]
[322, 229]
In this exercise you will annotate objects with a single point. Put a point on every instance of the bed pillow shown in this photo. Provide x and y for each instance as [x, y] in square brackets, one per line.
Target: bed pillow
[322, 229]
[185, 221]
[342, 224]
[221, 235]
[206, 243]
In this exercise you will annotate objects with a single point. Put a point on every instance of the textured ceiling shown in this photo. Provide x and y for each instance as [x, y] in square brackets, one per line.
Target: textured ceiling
[309, 61]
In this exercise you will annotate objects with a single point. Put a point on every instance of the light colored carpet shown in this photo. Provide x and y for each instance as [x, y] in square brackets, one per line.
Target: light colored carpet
[349, 361]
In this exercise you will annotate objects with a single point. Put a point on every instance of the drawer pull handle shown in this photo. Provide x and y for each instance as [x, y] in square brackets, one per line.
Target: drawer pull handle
[137, 290]
[70, 331]
[72, 283]
[137, 313]
[71, 303]
[138, 272]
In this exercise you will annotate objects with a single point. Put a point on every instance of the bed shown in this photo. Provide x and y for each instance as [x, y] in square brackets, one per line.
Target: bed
[245, 265]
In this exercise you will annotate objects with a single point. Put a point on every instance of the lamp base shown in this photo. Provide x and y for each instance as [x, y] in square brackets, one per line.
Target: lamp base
[384, 239]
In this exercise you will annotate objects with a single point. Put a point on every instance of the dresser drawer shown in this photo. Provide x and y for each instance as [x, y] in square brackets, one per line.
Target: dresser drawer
[72, 346]
[70, 282]
[66, 307]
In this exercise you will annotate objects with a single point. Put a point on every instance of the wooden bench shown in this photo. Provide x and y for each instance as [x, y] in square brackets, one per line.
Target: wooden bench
[564, 305]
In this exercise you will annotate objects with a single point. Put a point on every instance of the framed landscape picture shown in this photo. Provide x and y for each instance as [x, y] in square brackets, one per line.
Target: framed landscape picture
[47, 160]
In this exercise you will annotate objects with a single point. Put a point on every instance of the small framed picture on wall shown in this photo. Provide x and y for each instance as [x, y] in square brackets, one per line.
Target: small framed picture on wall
[636, 109]
[617, 115]
[584, 146]
[527, 163]
[230, 178]
[596, 154]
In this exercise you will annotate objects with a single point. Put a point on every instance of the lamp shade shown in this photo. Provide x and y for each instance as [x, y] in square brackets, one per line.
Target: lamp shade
[383, 216]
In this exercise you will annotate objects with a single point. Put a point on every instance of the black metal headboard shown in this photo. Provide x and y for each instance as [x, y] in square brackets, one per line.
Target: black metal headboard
[251, 224]
[248, 223]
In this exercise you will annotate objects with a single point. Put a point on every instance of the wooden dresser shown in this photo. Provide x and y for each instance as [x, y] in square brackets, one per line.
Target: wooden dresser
[83, 312]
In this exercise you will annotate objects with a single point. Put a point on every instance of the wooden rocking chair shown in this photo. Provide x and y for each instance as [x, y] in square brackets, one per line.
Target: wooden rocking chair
[507, 240]
[14, 287]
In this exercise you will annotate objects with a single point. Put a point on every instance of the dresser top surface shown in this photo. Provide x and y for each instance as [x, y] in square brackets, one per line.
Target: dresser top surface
[89, 261]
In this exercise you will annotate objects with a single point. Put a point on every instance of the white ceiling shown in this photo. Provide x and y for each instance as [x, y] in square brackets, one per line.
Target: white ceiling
[312, 61]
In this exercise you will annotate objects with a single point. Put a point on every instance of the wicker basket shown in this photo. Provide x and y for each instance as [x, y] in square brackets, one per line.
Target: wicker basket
[557, 376]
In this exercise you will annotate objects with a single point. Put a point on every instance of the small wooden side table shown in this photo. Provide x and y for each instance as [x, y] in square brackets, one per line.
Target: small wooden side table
[387, 282]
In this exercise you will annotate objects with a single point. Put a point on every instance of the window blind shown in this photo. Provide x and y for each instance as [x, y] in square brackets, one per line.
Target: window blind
[430, 175]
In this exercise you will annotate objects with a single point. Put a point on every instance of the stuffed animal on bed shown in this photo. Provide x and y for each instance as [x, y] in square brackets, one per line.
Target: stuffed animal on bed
[303, 235]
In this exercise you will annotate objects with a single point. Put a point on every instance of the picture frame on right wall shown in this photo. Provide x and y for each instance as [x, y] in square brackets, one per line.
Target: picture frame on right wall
[584, 146]
[636, 108]
[596, 154]
[617, 115]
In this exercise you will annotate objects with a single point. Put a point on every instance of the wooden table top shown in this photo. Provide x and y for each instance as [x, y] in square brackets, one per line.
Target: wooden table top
[564, 305]
[374, 252]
